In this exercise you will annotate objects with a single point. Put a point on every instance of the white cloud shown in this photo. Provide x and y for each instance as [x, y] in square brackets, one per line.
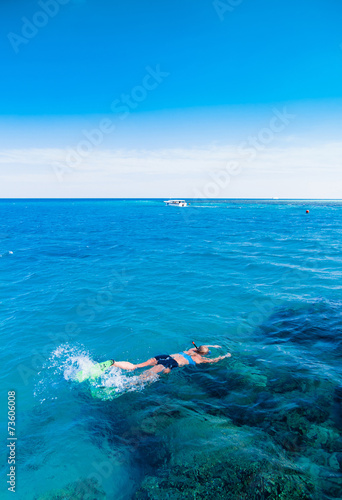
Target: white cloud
[288, 170]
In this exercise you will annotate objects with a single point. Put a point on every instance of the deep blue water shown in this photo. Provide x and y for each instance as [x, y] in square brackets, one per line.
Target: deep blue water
[129, 279]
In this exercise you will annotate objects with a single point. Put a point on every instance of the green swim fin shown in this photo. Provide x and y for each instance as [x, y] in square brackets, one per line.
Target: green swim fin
[94, 372]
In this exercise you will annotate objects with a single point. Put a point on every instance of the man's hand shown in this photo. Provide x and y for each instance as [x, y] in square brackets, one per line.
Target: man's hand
[215, 360]
[228, 355]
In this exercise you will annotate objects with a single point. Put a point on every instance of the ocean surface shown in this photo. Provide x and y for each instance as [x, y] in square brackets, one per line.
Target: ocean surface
[85, 281]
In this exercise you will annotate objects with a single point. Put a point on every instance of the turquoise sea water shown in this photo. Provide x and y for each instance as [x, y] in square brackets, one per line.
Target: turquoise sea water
[129, 279]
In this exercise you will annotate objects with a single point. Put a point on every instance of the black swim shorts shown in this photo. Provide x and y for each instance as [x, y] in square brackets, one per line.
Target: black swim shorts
[167, 361]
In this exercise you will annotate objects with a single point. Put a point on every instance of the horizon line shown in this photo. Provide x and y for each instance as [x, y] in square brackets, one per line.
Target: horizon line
[178, 198]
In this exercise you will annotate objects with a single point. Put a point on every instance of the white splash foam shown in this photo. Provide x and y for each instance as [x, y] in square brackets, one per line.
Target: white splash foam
[117, 382]
[66, 361]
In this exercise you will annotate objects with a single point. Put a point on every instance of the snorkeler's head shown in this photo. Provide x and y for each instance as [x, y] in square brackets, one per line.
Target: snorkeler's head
[202, 350]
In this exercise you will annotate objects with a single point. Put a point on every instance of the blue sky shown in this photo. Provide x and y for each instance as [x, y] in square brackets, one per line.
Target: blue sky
[171, 80]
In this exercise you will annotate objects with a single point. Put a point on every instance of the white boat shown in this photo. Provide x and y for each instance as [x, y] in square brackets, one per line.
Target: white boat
[176, 203]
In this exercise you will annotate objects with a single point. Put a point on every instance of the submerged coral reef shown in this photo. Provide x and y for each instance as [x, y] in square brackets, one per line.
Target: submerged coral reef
[267, 424]
[271, 431]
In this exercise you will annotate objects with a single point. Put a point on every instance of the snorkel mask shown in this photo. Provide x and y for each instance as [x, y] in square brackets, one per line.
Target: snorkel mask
[209, 352]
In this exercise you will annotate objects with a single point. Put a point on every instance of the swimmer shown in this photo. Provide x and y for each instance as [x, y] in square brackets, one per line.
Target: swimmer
[167, 362]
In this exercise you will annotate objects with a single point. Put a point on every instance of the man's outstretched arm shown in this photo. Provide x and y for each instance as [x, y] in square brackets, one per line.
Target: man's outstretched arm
[215, 360]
